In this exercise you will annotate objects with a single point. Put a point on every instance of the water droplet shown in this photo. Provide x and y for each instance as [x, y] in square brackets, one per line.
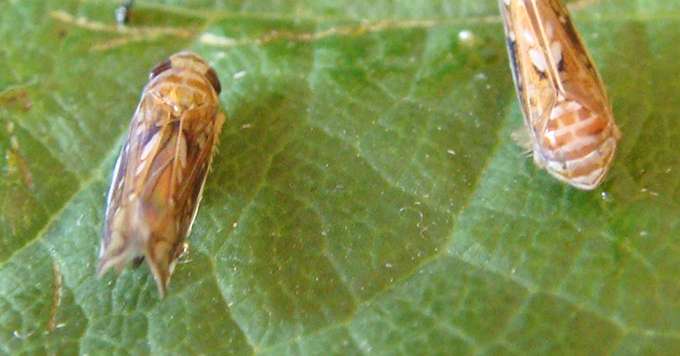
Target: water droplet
[605, 196]
[650, 192]
[21, 336]
[466, 37]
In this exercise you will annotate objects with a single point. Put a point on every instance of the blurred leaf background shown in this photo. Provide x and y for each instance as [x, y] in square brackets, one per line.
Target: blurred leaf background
[366, 198]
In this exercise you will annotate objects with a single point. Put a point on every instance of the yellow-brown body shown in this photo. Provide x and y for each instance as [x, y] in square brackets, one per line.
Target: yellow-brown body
[161, 170]
[565, 106]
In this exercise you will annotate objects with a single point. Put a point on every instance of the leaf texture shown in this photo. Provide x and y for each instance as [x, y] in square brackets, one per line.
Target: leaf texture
[366, 198]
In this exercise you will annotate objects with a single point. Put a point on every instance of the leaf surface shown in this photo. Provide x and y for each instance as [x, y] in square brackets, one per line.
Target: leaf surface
[367, 197]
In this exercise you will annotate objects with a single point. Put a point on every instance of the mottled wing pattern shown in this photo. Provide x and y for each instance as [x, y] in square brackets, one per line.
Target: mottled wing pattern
[162, 168]
[529, 83]
[563, 100]
[201, 140]
[116, 206]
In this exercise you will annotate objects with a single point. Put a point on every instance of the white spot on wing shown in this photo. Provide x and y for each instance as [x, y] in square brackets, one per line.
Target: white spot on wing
[140, 168]
[529, 37]
[149, 147]
[182, 150]
[114, 180]
[538, 59]
[556, 51]
[573, 106]
[550, 30]
[556, 112]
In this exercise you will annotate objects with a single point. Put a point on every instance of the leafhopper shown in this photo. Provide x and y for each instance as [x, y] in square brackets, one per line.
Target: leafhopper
[566, 110]
[160, 173]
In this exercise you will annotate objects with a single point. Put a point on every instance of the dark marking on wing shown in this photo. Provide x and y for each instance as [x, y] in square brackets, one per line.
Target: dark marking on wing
[561, 65]
[541, 74]
[149, 133]
[137, 261]
[514, 65]
[160, 68]
[575, 41]
[212, 78]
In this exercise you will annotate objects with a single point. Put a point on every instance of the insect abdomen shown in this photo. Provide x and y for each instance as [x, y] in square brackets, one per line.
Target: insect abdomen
[578, 144]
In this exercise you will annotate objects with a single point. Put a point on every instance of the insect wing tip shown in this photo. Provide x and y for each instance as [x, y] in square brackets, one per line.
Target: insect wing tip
[109, 260]
[104, 265]
[162, 288]
[161, 284]
[161, 274]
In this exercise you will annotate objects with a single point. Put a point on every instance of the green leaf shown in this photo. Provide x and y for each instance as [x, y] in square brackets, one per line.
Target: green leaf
[366, 198]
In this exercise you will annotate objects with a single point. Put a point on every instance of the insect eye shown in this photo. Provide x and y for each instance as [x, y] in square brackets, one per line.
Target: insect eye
[160, 68]
[212, 77]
